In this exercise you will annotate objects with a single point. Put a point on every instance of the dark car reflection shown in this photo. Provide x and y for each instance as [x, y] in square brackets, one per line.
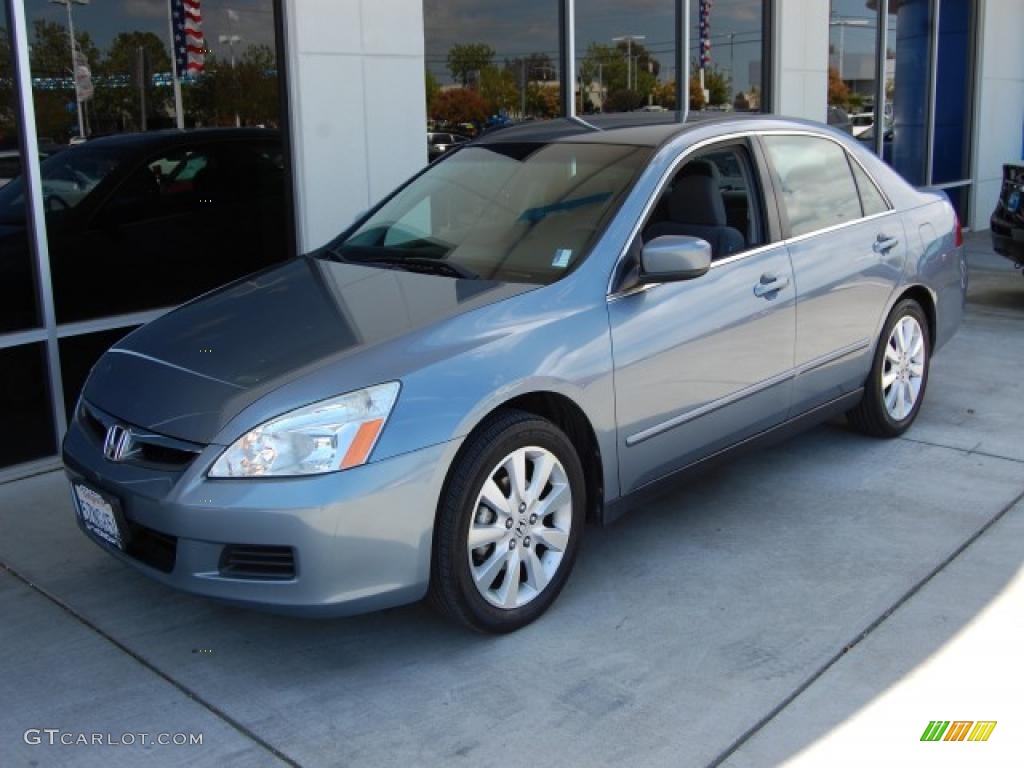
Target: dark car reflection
[148, 220]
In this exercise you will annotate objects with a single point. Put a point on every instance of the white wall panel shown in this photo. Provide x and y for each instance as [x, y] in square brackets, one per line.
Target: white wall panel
[801, 58]
[358, 112]
[999, 127]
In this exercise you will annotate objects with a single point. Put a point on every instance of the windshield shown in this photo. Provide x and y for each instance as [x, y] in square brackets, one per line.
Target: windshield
[515, 212]
[68, 177]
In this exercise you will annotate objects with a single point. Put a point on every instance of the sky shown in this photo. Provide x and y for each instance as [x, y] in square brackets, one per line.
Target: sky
[103, 19]
[526, 26]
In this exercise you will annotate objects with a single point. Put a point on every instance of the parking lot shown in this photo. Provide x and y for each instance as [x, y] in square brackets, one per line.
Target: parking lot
[743, 618]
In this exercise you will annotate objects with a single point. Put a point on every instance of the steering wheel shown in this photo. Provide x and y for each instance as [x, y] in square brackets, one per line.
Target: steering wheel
[55, 198]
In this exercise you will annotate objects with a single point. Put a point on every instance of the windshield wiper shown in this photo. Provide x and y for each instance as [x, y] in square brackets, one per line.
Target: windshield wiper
[419, 264]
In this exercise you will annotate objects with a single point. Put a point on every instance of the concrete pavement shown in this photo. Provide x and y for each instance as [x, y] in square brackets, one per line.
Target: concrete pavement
[689, 632]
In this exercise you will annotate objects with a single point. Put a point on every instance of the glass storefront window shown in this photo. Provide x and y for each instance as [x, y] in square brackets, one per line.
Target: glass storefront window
[163, 174]
[131, 224]
[25, 408]
[77, 355]
[926, 81]
[852, 69]
[951, 161]
[910, 36]
[727, 42]
[625, 56]
[19, 300]
[488, 65]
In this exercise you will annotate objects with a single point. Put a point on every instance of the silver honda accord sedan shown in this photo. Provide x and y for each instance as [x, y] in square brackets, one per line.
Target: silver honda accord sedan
[533, 333]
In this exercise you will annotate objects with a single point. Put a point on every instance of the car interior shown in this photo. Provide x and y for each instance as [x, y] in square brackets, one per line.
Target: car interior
[711, 197]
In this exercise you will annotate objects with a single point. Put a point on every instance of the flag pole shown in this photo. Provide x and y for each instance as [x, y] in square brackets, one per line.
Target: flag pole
[179, 113]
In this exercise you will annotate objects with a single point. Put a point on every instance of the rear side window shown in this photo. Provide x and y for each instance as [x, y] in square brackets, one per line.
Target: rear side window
[817, 186]
[870, 198]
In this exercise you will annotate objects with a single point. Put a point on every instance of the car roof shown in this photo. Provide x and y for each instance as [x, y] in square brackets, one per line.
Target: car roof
[150, 139]
[650, 129]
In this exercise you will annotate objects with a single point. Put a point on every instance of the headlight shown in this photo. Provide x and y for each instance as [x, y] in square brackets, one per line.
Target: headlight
[324, 437]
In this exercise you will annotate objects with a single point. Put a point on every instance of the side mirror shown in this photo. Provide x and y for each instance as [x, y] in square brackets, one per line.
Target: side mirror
[671, 258]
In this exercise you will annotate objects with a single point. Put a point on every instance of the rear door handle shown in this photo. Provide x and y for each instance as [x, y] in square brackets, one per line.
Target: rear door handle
[884, 244]
[770, 284]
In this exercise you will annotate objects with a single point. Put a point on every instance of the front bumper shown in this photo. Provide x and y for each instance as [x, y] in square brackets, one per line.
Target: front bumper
[361, 538]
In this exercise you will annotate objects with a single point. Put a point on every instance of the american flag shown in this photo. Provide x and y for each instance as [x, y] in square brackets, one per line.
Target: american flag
[189, 44]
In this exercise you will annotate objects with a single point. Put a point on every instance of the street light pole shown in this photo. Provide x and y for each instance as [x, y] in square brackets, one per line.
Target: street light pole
[231, 40]
[628, 40]
[74, 66]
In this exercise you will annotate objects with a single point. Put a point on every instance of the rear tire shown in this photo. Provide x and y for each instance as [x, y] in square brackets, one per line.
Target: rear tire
[506, 537]
[896, 385]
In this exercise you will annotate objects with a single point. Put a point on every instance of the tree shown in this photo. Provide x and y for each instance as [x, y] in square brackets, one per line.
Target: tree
[543, 100]
[433, 88]
[50, 53]
[719, 86]
[665, 94]
[50, 57]
[839, 93]
[465, 59]
[119, 106]
[248, 90]
[499, 89]
[696, 93]
[534, 66]
[459, 105]
[623, 100]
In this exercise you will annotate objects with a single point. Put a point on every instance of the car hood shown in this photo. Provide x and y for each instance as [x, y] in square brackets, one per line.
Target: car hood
[189, 372]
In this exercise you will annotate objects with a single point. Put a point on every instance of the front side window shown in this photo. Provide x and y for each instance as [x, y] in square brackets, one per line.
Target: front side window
[817, 186]
[714, 197]
[516, 212]
[163, 186]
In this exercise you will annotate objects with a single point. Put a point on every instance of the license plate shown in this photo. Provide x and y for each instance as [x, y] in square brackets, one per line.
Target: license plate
[1013, 204]
[97, 515]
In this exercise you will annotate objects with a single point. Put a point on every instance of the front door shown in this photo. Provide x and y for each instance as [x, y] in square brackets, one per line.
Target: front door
[705, 363]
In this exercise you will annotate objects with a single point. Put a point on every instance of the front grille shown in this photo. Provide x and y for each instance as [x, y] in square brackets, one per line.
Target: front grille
[155, 549]
[247, 561]
[147, 448]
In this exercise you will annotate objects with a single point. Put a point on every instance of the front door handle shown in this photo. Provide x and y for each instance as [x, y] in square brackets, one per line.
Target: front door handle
[884, 244]
[770, 285]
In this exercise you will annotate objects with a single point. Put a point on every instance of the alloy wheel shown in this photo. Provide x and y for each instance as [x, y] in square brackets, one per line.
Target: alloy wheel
[520, 527]
[903, 368]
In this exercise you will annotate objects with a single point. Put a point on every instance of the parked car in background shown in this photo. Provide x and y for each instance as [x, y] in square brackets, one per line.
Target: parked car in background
[839, 119]
[1007, 223]
[861, 122]
[534, 331]
[10, 160]
[439, 142]
[173, 213]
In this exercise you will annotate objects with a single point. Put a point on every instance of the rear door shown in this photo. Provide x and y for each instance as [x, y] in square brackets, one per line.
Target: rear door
[705, 363]
[847, 248]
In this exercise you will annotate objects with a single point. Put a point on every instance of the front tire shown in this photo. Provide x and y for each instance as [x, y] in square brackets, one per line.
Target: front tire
[896, 385]
[509, 524]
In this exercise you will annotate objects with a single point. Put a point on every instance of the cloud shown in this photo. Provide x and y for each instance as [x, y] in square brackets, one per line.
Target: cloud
[145, 9]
